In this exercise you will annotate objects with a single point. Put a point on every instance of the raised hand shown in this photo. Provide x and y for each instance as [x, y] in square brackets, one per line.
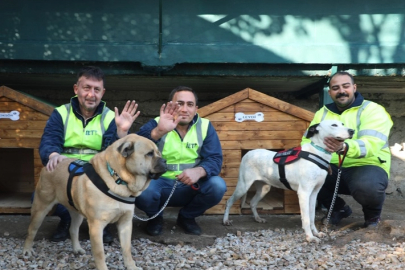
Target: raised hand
[127, 117]
[168, 120]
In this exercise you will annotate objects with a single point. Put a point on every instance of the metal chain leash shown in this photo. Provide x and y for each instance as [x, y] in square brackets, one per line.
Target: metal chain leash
[164, 206]
[333, 201]
[341, 159]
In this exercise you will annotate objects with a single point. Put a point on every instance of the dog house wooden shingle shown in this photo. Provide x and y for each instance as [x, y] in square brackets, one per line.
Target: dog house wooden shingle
[22, 122]
[249, 120]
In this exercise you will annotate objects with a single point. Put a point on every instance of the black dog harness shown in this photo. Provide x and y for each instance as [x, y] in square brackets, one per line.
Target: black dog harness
[79, 167]
[291, 155]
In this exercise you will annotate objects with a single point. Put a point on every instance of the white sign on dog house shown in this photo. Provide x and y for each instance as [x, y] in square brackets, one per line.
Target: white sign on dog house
[249, 120]
[22, 122]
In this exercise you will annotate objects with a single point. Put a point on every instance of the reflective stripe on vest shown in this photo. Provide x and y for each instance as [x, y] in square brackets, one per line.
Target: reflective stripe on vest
[79, 142]
[178, 153]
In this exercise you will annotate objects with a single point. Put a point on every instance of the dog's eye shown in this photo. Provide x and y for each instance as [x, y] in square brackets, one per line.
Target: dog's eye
[334, 125]
[150, 154]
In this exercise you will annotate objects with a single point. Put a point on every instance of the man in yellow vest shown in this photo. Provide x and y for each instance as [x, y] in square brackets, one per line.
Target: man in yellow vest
[80, 129]
[193, 153]
[366, 167]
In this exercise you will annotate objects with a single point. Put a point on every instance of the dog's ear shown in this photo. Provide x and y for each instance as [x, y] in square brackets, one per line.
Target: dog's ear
[126, 149]
[312, 130]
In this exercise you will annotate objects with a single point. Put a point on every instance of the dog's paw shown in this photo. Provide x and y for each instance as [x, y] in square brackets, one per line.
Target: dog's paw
[133, 267]
[28, 252]
[313, 239]
[79, 250]
[227, 222]
[260, 220]
[320, 234]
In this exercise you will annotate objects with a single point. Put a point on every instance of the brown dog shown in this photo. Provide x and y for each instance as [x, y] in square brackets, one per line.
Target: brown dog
[136, 160]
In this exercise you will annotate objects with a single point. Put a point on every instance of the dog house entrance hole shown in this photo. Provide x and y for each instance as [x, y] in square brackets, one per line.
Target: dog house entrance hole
[274, 199]
[17, 179]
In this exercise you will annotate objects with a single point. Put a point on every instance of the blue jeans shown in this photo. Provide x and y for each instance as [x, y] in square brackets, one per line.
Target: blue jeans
[193, 202]
[366, 184]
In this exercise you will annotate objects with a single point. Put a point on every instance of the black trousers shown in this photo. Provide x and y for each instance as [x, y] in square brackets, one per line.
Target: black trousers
[366, 184]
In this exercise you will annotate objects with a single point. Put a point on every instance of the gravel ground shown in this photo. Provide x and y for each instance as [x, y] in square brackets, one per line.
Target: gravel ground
[278, 244]
[263, 249]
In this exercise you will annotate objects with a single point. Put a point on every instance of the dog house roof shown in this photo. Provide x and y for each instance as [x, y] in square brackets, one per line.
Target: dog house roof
[27, 100]
[249, 93]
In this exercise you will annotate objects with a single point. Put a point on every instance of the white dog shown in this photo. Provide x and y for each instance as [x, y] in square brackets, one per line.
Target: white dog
[303, 175]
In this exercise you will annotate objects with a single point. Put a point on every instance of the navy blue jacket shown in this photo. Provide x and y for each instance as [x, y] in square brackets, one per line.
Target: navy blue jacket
[53, 137]
[211, 151]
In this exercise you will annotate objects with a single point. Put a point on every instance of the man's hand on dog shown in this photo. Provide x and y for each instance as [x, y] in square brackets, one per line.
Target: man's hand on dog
[191, 176]
[54, 159]
[333, 145]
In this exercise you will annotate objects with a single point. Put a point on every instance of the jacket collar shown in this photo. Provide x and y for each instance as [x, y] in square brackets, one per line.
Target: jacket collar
[195, 118]
[357, 102]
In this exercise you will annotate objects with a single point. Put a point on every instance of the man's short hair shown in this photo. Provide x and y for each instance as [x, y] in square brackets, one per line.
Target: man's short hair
[183, 88]
[342, 73]
[91, 72]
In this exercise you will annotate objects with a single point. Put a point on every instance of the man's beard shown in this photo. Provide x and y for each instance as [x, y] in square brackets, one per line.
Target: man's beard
[182, 123]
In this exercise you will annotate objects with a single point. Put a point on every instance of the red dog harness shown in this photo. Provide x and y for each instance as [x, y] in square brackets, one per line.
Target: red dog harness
[291, 155]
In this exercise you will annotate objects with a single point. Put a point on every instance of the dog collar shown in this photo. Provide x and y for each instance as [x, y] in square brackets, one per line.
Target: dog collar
[102, 186]
[320, 148]
[113, 173]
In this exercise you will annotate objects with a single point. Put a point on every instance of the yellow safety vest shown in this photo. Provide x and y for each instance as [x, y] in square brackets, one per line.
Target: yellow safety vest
[83, 143]
[369, 145]
[183, 154]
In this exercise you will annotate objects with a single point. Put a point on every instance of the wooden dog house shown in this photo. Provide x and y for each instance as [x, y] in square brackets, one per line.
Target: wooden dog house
[249, 120]
[22, 122]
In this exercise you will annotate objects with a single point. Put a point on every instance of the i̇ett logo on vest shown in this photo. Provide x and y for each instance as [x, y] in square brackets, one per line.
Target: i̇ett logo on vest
[91, 132]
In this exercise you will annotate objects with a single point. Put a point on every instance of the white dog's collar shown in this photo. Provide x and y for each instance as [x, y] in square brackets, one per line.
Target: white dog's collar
[321, 148]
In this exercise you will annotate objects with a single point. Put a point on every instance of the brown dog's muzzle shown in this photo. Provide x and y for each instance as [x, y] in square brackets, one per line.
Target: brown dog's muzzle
[159, 168]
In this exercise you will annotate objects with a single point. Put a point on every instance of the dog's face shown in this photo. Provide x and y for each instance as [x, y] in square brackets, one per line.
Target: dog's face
[137, 160]
[330, 128]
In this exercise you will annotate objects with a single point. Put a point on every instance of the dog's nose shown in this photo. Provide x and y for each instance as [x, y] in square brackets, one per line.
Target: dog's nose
[351, 132]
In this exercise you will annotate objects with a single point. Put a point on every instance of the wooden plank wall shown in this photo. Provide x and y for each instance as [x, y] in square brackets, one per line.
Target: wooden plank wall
[278, 131]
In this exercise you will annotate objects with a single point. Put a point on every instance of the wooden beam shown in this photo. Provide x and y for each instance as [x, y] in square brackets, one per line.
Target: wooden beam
[26, 100]
[225, 102]
[281, 105]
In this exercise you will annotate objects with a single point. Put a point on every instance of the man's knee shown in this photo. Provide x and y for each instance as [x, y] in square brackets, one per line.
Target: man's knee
[369, 195]
[217, 187]
[148, 197]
